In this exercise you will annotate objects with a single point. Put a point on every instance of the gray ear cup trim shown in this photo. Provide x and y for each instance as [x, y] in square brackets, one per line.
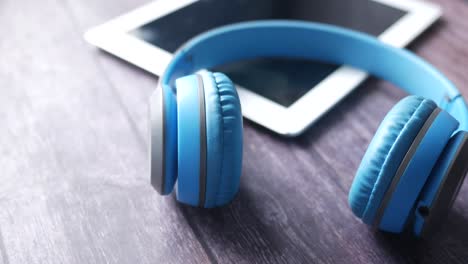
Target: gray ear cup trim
[401, 169]
[157, 140]
[203, 154]
[448, 189]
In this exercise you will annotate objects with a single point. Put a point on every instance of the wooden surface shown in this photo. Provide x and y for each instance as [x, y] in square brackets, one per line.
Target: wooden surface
[74, 183]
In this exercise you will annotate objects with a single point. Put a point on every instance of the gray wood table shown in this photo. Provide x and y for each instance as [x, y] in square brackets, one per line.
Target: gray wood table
[74, 183]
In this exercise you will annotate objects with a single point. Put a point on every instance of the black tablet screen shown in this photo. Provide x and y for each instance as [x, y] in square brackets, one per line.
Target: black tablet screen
[276, 79]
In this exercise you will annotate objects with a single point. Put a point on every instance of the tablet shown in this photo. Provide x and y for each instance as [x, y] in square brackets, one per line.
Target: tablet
[283, 95]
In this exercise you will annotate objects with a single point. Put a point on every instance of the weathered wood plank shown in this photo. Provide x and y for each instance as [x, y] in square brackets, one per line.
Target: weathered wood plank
[292, 204]
[94, 204]
[74, 173]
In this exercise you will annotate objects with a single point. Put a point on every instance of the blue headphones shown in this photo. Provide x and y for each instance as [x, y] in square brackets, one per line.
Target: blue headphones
[411, 172]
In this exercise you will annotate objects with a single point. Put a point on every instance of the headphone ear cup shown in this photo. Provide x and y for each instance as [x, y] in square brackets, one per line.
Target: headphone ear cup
[191, 138]
[443, 185]
[385, 153]
[209, 139]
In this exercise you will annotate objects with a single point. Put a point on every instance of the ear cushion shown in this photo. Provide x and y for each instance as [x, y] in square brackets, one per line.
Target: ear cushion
[224, 139]
[385, 153]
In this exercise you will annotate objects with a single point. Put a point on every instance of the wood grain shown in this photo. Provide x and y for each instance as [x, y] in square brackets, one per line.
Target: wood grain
[75, 185]
[74, 169]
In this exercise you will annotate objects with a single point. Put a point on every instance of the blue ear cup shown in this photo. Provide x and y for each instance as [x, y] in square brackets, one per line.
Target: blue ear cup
[385, 152]
[398, 161]
[209, 139]
[443, 185]
[191, 139]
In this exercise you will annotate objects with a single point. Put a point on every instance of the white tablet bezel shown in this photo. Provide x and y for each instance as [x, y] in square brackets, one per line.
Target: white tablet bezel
[113, 37]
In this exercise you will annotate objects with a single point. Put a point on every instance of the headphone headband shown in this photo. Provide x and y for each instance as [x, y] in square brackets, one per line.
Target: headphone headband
[315, 41]
[408, 166]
